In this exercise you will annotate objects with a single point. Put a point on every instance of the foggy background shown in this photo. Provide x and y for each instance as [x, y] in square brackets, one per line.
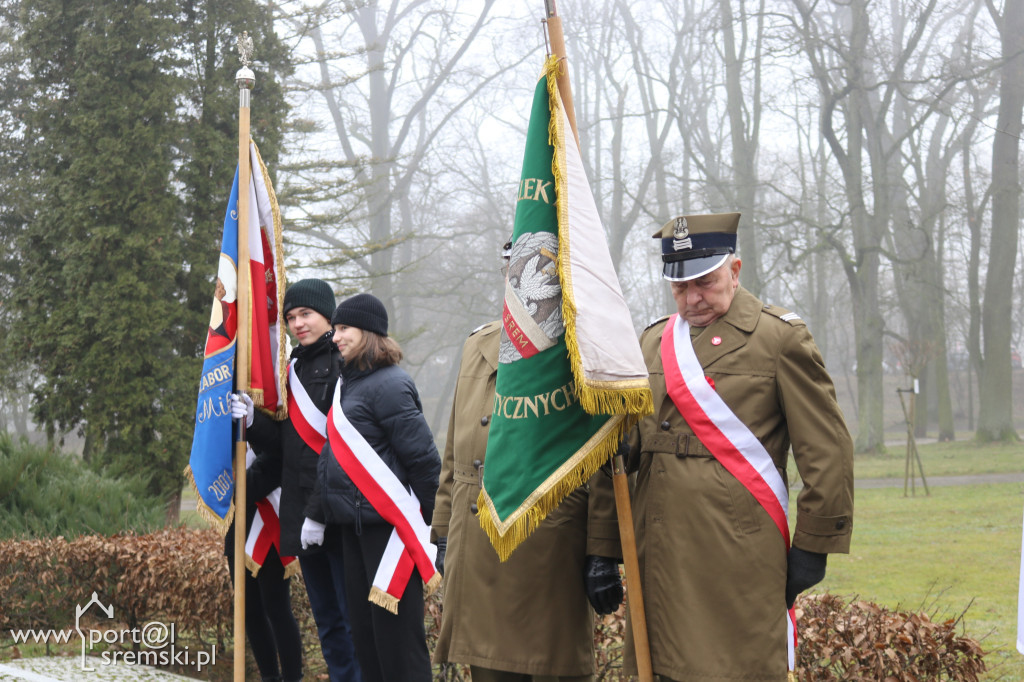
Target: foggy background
[872, 149]
[878, 236]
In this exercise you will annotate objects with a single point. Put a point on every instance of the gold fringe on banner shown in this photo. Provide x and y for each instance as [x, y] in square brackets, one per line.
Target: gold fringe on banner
[281, 275]
[573, 473]
[205, 512]
[628, 396]
[625, 401]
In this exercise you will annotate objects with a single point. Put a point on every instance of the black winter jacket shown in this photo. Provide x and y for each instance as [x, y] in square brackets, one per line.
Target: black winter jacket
[283, 458]
[384, 407]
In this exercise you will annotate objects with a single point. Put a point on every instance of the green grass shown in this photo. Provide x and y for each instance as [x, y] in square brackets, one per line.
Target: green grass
[191, 518]
[956, 551]
[963, 457]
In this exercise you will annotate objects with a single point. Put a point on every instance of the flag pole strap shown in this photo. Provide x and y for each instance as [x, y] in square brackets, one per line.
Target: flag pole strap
[245, 79]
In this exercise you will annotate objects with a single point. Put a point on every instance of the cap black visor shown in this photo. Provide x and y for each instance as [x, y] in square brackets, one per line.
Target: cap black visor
[685, 270]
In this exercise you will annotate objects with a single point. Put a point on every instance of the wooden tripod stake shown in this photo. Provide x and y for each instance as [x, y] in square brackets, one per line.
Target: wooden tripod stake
[913, 456]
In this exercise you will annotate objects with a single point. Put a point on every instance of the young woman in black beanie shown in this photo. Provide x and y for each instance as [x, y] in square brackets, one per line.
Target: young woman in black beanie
[287, 453]
[377, 477]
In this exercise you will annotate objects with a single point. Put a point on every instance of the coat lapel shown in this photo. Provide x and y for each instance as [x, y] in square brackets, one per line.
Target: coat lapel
[733, 329]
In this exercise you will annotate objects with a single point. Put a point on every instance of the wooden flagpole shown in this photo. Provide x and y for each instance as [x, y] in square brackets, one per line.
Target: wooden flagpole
[557, 40]
[634, 596]
[245, 79]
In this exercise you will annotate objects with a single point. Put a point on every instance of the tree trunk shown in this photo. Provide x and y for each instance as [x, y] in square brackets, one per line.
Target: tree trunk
[172, 513]
[743, 136]
[995, 417]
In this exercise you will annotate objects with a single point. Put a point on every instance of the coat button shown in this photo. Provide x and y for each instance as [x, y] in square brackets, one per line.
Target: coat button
[484, 421]
[477, 464]
[473, 508]
[840, 524]
[665, 426]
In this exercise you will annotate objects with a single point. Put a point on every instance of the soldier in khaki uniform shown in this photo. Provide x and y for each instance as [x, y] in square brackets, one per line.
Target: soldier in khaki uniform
[717, 580]
[527, 618]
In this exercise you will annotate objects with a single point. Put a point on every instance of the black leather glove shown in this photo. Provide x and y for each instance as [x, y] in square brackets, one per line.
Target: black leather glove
[603, 583]
[805, 570]
[442, 545]
[629, 464]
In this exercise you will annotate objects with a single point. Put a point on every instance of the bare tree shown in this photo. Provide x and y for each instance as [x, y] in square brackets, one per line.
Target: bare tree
[625, 77]
[861, 84]
[933, 116]
[744, 107]
[393, 77]
[995, 417]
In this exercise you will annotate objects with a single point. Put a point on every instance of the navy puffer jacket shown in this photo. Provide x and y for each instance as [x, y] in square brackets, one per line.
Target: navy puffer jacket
[384, 407]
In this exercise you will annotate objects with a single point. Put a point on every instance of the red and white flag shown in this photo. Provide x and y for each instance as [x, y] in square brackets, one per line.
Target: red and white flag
[211, 461]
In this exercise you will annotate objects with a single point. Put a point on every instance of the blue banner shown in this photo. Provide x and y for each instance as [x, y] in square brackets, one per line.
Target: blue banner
[210, 463]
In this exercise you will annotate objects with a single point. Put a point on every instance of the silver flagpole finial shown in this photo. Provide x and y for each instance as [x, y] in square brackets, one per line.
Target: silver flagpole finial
[245, 78]
[245, 49]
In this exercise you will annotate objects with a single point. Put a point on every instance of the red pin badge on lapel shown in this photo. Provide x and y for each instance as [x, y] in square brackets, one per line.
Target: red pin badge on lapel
[716, 341]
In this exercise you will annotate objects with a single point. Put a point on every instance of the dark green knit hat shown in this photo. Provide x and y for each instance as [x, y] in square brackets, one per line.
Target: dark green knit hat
[310, 293]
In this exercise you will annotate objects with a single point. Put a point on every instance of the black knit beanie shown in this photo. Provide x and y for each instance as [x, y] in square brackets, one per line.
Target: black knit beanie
[362, 311]
[310, 293]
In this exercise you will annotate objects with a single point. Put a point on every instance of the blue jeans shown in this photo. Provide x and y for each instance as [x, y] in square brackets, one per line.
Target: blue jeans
[325, 585]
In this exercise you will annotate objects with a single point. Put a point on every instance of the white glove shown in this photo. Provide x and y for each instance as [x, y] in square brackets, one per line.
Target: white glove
[241, 406]
[312, 533]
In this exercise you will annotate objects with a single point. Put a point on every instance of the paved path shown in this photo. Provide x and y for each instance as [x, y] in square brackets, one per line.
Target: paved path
[69, 669]
[933, 481]
[940, 481]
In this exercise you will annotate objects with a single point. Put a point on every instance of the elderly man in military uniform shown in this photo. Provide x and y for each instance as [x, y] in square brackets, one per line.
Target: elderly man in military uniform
[737, 383]
[526, 619]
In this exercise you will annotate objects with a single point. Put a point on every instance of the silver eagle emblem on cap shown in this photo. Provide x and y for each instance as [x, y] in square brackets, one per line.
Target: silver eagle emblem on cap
[681, 235]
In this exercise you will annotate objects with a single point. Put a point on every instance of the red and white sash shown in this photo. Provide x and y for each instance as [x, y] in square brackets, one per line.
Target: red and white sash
[724, 435]
[309, 422]
[409, 546]
[311, 425]
[265, 533]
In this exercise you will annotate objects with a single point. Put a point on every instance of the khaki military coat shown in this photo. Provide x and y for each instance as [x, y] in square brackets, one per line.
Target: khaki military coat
[530, 614]
[713, 563]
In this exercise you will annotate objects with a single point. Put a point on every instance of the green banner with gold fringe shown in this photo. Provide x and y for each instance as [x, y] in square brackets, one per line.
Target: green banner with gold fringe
[571, 378]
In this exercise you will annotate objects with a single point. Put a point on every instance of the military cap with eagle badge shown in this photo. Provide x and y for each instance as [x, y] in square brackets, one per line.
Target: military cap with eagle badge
[694, 245]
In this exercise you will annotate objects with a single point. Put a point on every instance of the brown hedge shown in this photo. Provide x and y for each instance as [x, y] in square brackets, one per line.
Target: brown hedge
[180, 576]
[864, 641]
[173, 575]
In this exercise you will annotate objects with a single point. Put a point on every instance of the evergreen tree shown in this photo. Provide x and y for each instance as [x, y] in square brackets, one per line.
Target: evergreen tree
[128, 149]
[210, 146]
[95, 305]
[12, 377]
